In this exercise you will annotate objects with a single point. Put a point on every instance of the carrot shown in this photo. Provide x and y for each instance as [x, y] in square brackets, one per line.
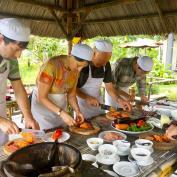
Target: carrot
[122, 126]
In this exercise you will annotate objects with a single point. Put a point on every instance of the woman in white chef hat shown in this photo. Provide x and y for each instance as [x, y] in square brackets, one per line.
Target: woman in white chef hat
[56, 84]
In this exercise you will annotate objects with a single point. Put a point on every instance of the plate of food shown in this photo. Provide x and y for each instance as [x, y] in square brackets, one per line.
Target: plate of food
[85, 128]
[113, 115]
[61, 135]
[133, 127]
[160, 141]
[110, 136]
[16, 144]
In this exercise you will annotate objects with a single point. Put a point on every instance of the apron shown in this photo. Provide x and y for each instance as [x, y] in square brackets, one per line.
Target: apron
[92, 88]
[110, 101]
[3, 87]
[46, 118]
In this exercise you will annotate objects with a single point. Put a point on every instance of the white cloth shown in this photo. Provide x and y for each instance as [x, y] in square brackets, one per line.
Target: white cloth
[46, 118]
[82, 51]
[110, 101]
[92, 88]
[14, 29]
[103, 45]
[3, 86]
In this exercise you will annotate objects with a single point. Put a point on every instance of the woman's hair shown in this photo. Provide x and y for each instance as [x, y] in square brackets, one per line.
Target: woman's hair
[22, 45]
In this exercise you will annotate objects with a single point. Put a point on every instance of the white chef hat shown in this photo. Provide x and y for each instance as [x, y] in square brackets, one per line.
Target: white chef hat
[103, 45]
[145, 63]
[82, 51]
[14, 29]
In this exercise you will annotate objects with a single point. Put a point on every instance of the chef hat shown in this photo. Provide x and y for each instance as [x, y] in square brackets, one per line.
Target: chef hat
[103, 45]
[145, 63]
[14, 29]
[82, 51]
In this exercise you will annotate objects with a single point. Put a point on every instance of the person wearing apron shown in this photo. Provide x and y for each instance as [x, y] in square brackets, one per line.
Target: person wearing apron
[56, 85]
[14, 37]
[128, 71]
[91, 79]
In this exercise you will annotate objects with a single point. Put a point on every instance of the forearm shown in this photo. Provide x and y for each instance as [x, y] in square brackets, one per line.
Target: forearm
[73, 102]
[81, 94]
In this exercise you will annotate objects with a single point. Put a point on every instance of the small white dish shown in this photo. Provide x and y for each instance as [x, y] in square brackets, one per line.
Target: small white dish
[126, 169]
[122, 145]
[65, 136]
[111, 173]
[149, 161]
[140, 154]
[94, 143]
[103, 160]
[123, 153]
[143, 143]
[151, 149]
[89, 157]
[108, 151]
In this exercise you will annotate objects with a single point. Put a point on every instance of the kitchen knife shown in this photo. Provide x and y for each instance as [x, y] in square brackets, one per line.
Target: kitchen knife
[109, 108]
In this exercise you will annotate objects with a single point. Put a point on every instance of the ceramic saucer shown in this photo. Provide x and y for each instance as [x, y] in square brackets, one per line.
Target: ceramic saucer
[105, 161]
[123, 153]
[151, 149]
[126, 169]
[65, 136]
[146, 163]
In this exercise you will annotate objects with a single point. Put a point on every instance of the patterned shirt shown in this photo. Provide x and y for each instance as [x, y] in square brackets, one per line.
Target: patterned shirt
[54, 73]
[14, 73]
[125, 76]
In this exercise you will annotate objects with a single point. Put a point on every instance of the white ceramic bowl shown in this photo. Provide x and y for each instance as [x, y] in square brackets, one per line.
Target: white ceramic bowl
[107, 151]
[143, 143]
[140, 154]
[89, 157]
[121, 145]
[94, 143]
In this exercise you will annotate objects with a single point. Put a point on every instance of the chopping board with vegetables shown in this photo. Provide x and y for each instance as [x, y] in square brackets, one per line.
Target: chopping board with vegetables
[85, 128]
[133, 127]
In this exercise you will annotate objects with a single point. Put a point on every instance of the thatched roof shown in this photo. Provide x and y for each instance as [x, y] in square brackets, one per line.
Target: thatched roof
[90, 18]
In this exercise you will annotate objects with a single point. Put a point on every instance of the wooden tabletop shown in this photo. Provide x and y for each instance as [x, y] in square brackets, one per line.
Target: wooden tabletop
[79, 141]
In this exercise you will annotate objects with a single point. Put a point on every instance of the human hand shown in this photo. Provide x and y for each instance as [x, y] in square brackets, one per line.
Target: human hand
[124, 104]
[30, 122]
[144, 99]
[8, 126]
[92, 101]
[79, 118]
[67, 118]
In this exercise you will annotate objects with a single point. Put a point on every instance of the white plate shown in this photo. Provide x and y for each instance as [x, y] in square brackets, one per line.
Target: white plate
[123, 153]
[126, 169]
[101, 135]
[151, 149]
[111, 173]
[89, 157]
[65, 136]
[146, 163]
[132, 133]
[104, 161]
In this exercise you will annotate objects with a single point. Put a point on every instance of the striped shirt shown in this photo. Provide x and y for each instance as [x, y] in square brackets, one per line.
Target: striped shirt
[125, 76]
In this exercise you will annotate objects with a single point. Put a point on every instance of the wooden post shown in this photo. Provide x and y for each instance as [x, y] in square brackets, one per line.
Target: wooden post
[69, 47]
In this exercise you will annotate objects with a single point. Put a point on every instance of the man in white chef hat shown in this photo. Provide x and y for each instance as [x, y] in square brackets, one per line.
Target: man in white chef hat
[128, 71]
[91, 79]
[14, 37]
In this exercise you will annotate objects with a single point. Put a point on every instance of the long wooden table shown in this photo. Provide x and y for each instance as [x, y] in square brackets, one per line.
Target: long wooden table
[161, 158]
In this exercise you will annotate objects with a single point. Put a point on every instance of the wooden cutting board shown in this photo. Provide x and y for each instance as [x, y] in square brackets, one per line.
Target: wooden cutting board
[84, 131]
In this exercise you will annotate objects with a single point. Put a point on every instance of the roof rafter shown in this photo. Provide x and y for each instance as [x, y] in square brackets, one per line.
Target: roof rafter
[162, 18]
[104, 4]
[44, 5]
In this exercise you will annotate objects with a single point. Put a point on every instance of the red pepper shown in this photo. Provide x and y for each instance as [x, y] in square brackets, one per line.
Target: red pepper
[57, 134]
[140, 123]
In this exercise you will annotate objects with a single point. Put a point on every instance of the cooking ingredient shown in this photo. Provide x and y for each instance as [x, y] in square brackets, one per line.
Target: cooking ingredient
[57, 134]
[122, 126]
[111, 136]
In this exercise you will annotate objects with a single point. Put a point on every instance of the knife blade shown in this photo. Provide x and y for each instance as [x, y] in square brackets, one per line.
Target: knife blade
[109, 108]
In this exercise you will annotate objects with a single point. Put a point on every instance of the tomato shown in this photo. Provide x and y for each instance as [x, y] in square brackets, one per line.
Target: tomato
[140, 123]
[57, 134]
